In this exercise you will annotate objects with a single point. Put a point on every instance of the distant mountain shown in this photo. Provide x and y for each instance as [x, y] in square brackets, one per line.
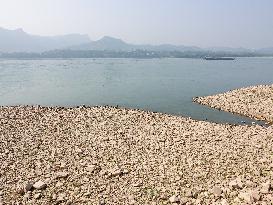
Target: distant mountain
[106, 43]
[114, 44]
[19, 41]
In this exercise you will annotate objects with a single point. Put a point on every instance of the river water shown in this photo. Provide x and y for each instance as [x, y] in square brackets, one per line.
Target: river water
[161, 85]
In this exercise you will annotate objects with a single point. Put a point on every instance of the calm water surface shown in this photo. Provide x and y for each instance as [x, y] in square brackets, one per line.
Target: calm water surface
[162, 85]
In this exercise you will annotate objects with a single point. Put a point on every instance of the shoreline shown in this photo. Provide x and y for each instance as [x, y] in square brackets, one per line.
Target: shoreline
[250, 120]
[254, 121]
[255, 102]
[108, 155]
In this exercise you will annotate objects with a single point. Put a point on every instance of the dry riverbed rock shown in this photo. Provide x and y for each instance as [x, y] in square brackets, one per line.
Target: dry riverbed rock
[39, 185]
[265, 187]
[255, 102]
[107, 155]
[216, 191]
[61, 175]
[174, 199]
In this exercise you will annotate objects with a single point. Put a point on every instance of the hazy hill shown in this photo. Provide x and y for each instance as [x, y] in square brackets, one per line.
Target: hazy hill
[114, 44]
[106, 43]
[19, 41]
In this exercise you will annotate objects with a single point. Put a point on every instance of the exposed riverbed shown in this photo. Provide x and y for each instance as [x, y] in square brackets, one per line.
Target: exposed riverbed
[106, 155]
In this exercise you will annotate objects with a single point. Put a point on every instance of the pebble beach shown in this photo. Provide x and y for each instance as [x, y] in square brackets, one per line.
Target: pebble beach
[110, 155]
[255, 102]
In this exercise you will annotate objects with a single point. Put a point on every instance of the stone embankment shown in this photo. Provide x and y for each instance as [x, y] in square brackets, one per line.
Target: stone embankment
[106, 155]
[255, 102]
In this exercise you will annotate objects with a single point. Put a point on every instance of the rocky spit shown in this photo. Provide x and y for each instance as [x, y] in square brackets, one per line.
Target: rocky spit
[107, 155]
[255, 102]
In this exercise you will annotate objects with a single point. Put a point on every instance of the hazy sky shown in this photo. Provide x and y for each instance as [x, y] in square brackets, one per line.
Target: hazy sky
[205, 23]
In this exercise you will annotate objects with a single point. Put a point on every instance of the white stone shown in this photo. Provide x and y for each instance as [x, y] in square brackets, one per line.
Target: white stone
[61, 175]
[255, 196]
[91, 168]
[216, 191]
[125, 171]
[265, 187]
[245, 196]
[78, 150]
[116, 173]
[37, 196]
[224, 202]
[61, 197]
[174, 199]
[59, 184]
[184, 200]
[250, 184]
[39, 185]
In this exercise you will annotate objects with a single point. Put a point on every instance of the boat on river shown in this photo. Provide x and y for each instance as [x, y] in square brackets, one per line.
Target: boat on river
[219, 58]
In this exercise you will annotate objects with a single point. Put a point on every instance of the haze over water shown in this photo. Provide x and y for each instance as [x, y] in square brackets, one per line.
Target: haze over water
[162, 85]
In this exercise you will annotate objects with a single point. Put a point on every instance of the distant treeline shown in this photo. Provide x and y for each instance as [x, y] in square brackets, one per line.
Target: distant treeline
[128, 54]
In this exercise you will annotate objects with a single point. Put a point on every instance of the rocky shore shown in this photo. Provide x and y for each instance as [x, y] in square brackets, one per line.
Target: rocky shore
[255, 102]
[107, 155]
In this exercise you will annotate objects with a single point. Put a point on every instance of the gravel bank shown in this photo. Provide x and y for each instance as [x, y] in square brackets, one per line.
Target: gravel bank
[255, 102]
[106, 155]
